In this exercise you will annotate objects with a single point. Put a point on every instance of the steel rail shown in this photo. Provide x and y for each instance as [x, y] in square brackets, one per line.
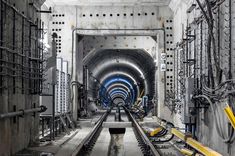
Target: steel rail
[88, 142]
[149, 149]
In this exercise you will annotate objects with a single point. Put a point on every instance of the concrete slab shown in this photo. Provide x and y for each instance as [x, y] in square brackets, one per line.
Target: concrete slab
[124, 117]
[117, 124]
[71, 145]
[111, 117]
[131, 144]
[90, 122]
[53, 146]
[102, 144]
[66, 144]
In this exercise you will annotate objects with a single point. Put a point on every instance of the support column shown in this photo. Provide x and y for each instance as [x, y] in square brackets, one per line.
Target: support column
[77, 72]
[163, 111]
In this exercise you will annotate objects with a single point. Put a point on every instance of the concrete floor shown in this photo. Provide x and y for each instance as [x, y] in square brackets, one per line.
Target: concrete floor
[106, 145]
[71, 145]
[130, 144]
[102, 144]
[65, 145]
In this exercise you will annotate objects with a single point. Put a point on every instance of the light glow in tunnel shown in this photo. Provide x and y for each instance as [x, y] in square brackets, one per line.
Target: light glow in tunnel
[121, 74]
[127, 93]
[119, 92]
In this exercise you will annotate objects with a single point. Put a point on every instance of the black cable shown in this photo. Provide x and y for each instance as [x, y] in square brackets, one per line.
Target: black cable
[210, 39]
[219, 129]
[162, 133]
[215, 56]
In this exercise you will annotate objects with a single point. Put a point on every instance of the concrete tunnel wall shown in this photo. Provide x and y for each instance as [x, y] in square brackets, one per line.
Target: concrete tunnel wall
[16, 93]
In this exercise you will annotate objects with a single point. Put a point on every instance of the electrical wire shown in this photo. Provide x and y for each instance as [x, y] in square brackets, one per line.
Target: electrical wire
[209, 20]
[220, 91]
[163, 133]
[217, 120]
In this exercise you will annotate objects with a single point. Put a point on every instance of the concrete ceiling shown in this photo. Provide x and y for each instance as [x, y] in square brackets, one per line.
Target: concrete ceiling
[107, 2]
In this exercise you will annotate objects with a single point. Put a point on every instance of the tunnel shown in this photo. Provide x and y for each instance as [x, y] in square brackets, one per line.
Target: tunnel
[120, 75]
[117, 77]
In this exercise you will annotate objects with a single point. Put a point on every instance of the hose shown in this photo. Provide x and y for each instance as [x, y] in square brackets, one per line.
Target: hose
[164, 132]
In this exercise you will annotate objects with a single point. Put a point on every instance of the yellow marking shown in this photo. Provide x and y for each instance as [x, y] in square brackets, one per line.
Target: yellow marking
[141, 94]
[195, 144]
[187, 152]
[228, 111]
[155, 131]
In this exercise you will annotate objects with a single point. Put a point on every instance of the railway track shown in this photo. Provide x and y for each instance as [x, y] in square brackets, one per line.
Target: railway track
[145, 145]
[89, 141]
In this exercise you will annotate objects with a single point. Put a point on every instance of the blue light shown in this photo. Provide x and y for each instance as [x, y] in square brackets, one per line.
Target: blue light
[117, 89]
[106, 100]
[119, 92]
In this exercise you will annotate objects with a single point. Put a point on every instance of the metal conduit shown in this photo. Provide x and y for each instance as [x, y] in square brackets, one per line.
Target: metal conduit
[23, 112]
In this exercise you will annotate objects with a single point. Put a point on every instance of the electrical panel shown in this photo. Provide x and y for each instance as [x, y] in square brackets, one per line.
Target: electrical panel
[46, 98]
[62, 89]
[189, 107]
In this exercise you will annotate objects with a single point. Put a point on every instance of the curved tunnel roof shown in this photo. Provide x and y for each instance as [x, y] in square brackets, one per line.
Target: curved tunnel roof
[134, 69]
